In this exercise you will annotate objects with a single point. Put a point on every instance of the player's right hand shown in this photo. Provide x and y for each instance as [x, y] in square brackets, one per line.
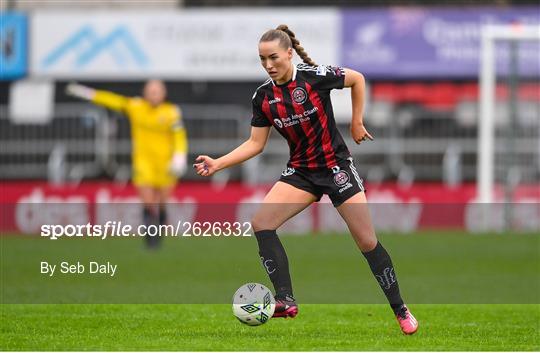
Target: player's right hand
[76, 90]
[205, 166]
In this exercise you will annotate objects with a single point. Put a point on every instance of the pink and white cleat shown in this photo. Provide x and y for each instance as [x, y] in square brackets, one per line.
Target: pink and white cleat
[285, 307]
[406, 320]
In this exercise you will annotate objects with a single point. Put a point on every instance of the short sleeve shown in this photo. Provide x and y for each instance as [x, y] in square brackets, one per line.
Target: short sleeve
[324, 77]
[258, 118]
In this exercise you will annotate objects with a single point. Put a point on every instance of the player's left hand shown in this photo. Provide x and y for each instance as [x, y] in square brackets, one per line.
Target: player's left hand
[359, 133]
[178, 164]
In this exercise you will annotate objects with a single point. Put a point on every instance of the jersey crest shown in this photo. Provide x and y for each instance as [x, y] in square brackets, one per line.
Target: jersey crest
[299, 95]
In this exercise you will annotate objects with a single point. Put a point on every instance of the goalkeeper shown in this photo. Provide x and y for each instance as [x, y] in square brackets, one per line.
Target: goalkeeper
[159, 144]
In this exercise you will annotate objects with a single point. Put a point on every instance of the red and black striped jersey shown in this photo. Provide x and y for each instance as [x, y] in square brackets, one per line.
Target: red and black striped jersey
[301, 111]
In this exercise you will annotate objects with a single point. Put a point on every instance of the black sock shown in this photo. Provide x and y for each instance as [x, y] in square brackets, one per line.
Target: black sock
[275, 262]
[383, 270]
[162, 215]
[150, 218]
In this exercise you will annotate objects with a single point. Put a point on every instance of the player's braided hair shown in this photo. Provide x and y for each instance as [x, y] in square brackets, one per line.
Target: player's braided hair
[287, 39]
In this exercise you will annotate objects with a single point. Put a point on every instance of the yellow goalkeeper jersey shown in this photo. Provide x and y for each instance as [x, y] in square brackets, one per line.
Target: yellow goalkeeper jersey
[156, 131]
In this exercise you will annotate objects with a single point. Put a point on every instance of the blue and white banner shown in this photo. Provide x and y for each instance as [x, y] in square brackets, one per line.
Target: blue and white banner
[13, 45]
[190, 44]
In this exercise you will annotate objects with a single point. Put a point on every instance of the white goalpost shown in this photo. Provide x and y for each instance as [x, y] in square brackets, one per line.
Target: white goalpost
[491, 214]
[487, 81]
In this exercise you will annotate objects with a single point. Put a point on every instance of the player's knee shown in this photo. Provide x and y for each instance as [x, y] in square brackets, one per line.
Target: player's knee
[369, 245]
[262, 222]
[366, 241]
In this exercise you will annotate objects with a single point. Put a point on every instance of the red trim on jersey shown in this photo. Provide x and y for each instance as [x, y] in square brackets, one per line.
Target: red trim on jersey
[289, 130]
[329, 153]
[308, 130]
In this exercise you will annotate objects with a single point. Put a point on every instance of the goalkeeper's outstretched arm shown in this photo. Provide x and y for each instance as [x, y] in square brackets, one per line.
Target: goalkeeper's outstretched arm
[107, 99]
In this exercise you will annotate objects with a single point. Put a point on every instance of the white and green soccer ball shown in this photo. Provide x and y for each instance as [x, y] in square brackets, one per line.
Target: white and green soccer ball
[253, 304]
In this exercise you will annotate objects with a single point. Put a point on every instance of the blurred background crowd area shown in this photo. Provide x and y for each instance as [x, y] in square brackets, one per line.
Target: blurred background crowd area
[421, 60]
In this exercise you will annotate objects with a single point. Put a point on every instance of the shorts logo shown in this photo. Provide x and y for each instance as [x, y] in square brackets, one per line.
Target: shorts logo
[288, 172]
[278, 123]
[299, 95]
[341, 178]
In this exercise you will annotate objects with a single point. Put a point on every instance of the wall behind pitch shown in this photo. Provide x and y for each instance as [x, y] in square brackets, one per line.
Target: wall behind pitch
[216, 44]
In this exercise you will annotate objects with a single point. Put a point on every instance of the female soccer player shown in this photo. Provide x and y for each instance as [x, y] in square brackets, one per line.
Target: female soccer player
[295, 100]
[159, 144]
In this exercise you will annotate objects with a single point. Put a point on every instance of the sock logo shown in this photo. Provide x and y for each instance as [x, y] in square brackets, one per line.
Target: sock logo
[387, 278]
[268, 266]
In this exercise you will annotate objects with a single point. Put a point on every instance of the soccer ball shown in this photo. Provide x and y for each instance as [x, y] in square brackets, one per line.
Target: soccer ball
[253, 304]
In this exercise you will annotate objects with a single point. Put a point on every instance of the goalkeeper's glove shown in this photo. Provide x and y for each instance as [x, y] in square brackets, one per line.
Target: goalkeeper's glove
[178, 164]
[80, 91]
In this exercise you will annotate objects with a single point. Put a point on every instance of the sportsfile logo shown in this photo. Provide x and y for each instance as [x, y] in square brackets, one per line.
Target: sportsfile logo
[88, 45]
[119, 229]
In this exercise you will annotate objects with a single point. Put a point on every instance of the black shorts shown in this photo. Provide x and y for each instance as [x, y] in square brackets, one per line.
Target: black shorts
[339, 183]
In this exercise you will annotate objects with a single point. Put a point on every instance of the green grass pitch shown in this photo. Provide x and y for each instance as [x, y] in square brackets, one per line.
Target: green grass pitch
[319, 327]
[468, 292]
